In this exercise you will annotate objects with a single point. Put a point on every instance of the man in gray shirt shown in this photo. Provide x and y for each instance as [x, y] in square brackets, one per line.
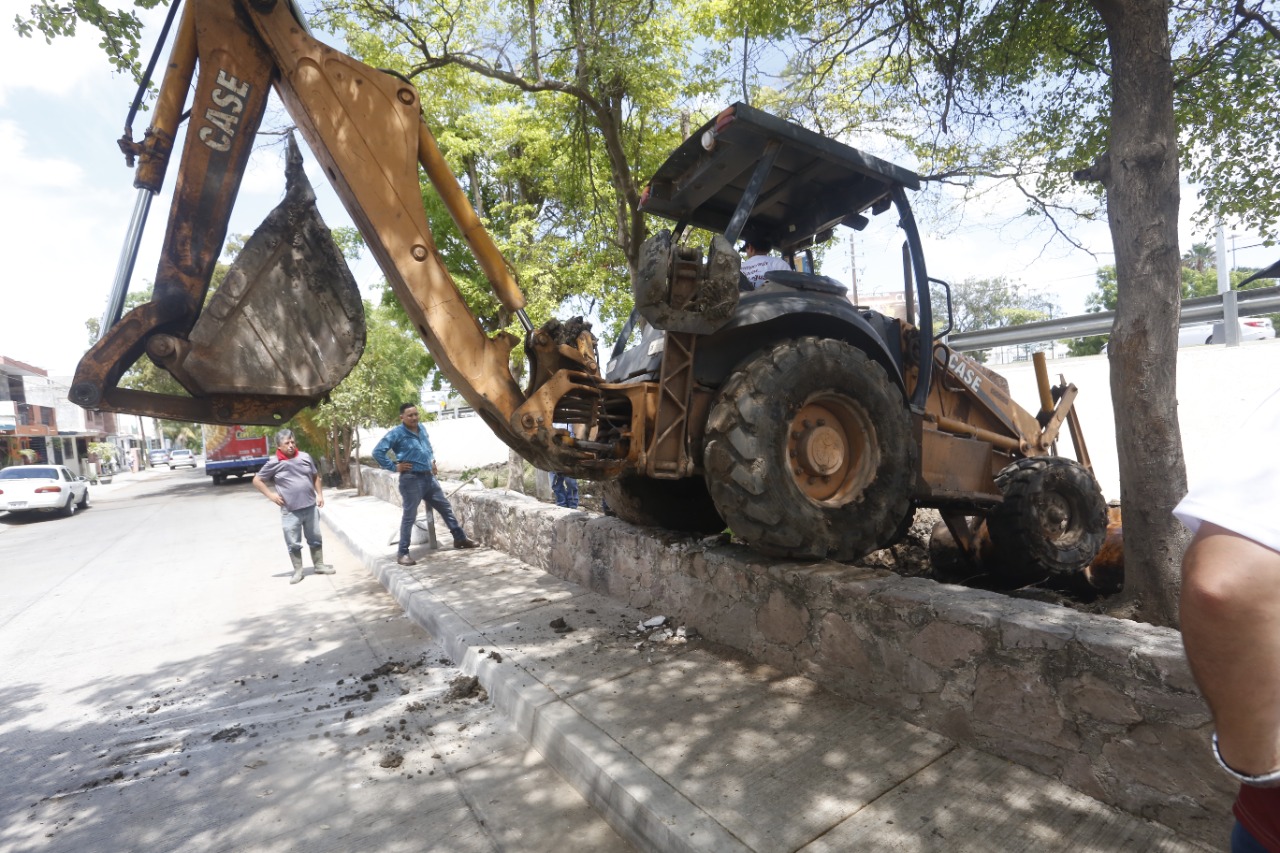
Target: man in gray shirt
[299, 492]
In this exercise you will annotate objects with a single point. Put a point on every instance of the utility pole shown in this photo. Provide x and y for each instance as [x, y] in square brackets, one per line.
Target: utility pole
[144, 457]
[853, 269]
[1230, 313]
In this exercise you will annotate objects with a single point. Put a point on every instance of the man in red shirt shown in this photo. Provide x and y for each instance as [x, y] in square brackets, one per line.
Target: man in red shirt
[299, 492]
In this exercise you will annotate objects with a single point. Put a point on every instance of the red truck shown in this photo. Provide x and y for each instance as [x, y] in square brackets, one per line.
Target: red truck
[230, 452]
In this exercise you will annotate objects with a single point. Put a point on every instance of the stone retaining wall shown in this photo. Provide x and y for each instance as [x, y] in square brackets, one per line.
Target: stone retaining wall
[1107, 706]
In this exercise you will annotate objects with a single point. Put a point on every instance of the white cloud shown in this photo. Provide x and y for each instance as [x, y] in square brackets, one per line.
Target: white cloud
[58, 68]
[21, 169]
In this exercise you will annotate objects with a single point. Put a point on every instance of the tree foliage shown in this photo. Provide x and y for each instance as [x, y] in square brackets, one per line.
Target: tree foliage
[120, 29]
[1199, 278]
[391, 371]
[993, 303]
[554, 114]
[1119, 94]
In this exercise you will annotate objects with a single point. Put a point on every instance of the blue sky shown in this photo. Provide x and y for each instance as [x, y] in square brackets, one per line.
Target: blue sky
[67, 198]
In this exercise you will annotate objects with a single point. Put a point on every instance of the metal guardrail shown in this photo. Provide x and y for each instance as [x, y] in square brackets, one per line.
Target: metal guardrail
[1202, 309]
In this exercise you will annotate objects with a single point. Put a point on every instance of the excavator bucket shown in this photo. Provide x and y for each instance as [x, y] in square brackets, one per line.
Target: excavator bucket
[284, 328]
[288, 320]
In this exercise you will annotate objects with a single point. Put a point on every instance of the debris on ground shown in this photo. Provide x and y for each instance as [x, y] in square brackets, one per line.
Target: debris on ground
[657, 630]
[560, 626]
[391, 760]
[465, 687]
[391, 667]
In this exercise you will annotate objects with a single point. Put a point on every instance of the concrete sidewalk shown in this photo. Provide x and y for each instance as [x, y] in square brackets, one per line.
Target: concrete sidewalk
[683, 745]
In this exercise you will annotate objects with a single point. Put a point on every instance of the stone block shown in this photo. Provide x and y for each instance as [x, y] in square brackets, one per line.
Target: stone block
[944, 645]
[1095, 698]
[1042, 628]
[782, 620]
[1018, 701]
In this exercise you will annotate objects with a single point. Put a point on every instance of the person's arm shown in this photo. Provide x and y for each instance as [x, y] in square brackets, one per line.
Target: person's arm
[426, 440]
[1231, 631]
[261, 484]
[380, 452]
[319, 483]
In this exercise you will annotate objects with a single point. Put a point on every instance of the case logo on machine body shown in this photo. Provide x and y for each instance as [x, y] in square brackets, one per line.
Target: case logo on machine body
[230, 96]
[965, 370]
[990, 388]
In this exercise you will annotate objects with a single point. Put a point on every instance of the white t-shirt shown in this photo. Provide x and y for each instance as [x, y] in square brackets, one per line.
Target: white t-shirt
[1236, 495]
[756, 266]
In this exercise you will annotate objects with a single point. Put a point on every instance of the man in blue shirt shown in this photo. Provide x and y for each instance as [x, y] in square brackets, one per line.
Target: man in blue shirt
[416, 464]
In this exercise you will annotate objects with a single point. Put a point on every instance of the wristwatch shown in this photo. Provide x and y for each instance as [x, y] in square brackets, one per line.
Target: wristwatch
[1262, 780]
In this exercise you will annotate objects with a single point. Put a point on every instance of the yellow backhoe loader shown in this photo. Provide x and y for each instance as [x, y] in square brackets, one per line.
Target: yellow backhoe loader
[810, 426]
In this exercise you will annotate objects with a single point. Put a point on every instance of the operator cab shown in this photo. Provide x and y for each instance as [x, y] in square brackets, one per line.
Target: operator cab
[749, 172]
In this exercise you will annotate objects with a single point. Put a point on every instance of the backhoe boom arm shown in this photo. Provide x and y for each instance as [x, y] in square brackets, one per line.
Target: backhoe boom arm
[365, 128]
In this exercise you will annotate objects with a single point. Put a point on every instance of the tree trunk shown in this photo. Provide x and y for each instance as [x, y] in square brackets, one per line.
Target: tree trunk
[542, 485]
[340, 438]
[1141, 178]
[515, 472]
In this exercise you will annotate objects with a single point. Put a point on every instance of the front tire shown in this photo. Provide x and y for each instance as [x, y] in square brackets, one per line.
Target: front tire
[84, 501]
[809, 452]
[1052, 521]
[682, 505]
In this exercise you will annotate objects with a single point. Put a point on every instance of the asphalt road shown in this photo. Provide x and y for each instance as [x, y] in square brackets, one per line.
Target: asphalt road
[164, 687]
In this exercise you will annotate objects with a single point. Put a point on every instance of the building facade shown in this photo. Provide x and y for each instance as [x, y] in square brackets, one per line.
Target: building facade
[39, 425]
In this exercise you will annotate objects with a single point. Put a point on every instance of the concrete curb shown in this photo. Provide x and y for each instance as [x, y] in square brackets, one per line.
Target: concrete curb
[640, 806]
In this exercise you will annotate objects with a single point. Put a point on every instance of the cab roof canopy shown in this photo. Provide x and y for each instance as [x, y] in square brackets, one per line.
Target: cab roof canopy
[815, 183]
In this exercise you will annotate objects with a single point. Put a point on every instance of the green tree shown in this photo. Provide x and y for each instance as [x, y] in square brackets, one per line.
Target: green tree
[554, 112]
[1199, 257]
[391, 371]
[1103, 298]
[993, 303]
[1032, 92]
[1194, 283]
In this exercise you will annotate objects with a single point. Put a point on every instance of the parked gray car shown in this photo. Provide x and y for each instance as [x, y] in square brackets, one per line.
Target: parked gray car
[181, 459]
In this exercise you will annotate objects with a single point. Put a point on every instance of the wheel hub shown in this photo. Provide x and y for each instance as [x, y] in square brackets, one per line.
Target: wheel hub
[822, 450]
[832, 449]
[1057, 517]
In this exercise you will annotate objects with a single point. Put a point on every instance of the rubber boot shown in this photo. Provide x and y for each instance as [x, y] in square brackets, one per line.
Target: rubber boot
[317, 560]
[296, 558]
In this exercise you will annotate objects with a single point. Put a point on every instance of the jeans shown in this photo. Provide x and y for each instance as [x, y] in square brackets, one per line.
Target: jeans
[299, 523]
[419, 486]
[1243, 842]
[565, 489]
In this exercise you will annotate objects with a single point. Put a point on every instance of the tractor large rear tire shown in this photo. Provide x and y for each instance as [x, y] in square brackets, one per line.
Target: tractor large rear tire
[682, 505]
[1052, 521]
[809, 452]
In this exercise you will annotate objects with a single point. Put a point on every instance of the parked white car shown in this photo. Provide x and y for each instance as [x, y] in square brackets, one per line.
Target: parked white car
[1251, 329]
[47, 488]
